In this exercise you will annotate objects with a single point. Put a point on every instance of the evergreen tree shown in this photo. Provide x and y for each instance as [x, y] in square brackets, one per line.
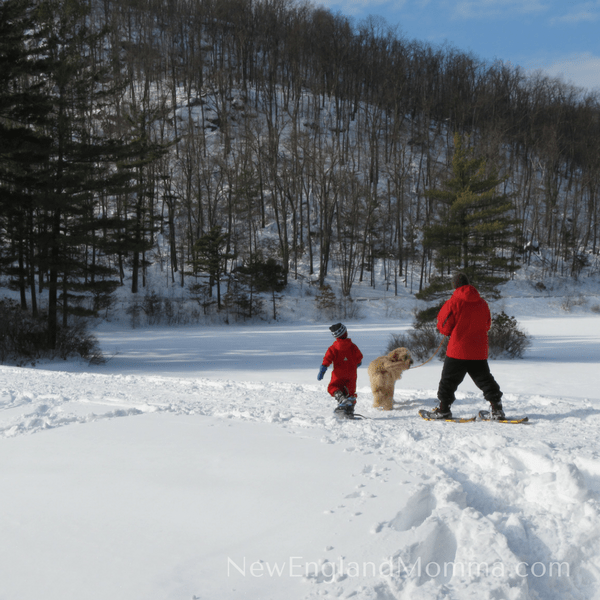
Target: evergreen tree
[137, 221]
[272, 278]
[474, 226]
[56, 162]
[23, 146]
[266, 276]
[211, 257]
[80, 160]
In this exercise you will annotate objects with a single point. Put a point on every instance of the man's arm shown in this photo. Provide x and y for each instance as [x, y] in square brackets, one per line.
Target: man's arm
[446, 319]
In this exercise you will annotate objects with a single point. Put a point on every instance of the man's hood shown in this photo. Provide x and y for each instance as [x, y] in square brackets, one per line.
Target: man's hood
[467, 293]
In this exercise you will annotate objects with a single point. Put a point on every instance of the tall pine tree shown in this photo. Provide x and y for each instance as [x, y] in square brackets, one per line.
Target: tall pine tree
[55, 162]
[211, 257]
[77, 87]
[473, 227]
[24, 146]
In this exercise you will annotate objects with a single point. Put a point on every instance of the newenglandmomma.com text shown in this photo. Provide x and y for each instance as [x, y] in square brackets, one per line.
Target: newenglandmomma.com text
[297, 566]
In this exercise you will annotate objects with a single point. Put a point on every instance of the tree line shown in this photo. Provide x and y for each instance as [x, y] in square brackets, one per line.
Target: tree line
[132, 132]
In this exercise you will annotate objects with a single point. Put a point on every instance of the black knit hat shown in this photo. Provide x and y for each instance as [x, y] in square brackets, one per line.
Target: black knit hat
[459, 279]
[338, 330]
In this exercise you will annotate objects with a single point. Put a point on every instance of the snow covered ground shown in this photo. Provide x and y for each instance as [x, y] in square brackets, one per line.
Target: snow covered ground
[205, 463]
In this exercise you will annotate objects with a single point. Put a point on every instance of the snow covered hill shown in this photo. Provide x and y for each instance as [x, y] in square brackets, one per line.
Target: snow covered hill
[205, 463]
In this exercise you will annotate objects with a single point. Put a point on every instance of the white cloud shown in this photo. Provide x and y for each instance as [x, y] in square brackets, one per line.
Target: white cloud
[497, 8]
[588, 12]
[581, 70]
[354, 7]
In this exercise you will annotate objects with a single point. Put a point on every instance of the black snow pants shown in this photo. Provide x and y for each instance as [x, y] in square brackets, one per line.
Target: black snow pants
[454, 372]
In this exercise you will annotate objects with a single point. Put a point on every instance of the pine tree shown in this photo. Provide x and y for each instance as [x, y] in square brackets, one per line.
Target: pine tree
[474, 226]
[55, 162]
[23, 146]
[79, 159]
[137, 220]
[265, 276]
[211, 257]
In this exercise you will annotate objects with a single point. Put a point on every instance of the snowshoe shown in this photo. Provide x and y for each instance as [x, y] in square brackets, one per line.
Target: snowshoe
[486, 415]
[436, 415]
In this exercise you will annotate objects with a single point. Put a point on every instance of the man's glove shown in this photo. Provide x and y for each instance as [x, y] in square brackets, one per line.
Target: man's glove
[321, 372]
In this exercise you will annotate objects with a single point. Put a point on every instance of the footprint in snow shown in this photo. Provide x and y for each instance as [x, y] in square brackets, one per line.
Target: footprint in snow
[418, 508]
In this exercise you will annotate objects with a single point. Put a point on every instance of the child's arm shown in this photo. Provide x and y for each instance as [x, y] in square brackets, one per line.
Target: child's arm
[326, 362]
[359, 356]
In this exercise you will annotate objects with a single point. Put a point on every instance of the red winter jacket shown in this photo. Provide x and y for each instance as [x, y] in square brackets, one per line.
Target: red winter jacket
[345, 357]
[466, 318]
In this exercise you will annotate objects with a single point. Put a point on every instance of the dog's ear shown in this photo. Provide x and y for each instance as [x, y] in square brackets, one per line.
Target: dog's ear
[396, 355]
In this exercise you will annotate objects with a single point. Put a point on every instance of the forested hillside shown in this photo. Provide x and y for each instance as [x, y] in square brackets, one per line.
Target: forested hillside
[266, 138]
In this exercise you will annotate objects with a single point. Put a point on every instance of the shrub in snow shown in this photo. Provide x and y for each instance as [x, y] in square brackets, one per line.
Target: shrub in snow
[330, 307]
[422, 341]
[134, 310]
[76, 340]
[350, 309]
[202, 294]
[505, 337]
[241, 302]
[172, 311]
[571, 302]
[24, 338]
[152, 307]
[326, 301]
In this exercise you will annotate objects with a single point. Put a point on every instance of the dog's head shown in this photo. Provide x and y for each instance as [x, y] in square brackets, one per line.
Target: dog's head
[401, 355]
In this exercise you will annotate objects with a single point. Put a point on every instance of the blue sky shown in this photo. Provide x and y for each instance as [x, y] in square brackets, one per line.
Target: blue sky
[560, 38]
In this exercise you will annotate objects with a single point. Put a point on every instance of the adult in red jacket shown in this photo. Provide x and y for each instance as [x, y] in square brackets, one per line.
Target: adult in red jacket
[346, 358]
[466, 318]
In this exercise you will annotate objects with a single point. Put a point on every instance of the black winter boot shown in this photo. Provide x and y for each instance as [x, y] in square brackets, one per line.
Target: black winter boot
[497, 412]
[439, 413]
[345, 404]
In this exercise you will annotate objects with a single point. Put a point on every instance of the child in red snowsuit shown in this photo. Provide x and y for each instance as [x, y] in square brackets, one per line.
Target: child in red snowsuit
[346, 358]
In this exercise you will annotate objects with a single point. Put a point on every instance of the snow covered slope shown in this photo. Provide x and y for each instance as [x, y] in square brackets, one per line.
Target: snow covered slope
[206, 464]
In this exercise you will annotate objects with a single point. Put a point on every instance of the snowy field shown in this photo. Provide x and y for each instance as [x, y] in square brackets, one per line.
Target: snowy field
[205, 463]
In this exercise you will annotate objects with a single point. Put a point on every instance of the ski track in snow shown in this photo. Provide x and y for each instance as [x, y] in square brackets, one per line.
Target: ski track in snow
[521, 496]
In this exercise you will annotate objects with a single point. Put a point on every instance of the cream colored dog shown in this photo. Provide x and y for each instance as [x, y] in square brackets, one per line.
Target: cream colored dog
[384, 372]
